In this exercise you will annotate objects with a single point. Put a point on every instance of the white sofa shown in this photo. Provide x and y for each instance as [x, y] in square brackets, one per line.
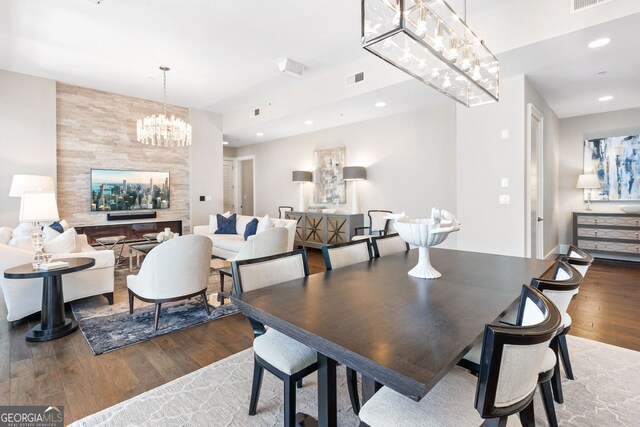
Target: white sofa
[227, 246]
[24, 296]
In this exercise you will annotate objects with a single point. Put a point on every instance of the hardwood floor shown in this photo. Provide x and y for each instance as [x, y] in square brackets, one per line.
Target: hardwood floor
[65, 372]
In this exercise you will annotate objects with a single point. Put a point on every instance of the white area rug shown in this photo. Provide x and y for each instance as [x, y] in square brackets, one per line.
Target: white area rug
[606, 392]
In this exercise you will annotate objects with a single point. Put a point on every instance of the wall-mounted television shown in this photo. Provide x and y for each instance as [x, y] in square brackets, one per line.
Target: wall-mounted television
[126, 190]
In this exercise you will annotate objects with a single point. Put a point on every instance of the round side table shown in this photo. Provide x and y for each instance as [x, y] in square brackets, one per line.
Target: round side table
[53, 323]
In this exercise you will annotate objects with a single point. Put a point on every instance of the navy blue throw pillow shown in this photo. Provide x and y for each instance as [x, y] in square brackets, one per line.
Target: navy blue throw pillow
[226, 225]
[56, 226]
[251, 228]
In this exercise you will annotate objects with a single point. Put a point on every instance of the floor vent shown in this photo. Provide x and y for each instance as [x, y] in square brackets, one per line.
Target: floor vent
[354, 79]
[580, 5]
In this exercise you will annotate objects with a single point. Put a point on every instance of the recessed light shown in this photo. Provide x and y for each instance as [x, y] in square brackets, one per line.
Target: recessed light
[381, 104]
[259, 134]
[599, 43]
[605, 98]
[308, 122]
[225, 142]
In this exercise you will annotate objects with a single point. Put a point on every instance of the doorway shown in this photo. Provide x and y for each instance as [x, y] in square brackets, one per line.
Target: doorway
[228, 185]
[244, 185]
[534, 237]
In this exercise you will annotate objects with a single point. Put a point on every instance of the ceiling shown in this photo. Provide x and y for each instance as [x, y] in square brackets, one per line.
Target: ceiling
[223, 54]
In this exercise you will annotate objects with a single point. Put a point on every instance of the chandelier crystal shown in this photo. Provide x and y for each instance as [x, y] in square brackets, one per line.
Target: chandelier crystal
[161, 130]
[428, 40]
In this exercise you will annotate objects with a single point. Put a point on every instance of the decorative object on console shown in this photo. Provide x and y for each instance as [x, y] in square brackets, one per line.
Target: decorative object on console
[162, 130]
[431, 42]
[353, 174]
[425, 233]
[29, 183]
[329, 185]
[587, 182]
[615, 161]
[37, 208]
[165, 235]
[302, 177]
[127, 190]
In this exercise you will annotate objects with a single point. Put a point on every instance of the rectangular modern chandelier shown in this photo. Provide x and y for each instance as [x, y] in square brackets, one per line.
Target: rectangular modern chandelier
[428, 40]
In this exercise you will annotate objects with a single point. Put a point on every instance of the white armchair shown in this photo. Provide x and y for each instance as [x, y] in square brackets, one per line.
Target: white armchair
[175, 270]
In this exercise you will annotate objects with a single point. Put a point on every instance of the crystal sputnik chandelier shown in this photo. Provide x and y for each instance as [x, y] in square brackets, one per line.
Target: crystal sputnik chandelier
[428, 40]
[161, 130]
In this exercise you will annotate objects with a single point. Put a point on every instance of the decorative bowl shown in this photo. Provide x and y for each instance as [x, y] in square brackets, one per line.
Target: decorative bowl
[425, 233]
[635, 208]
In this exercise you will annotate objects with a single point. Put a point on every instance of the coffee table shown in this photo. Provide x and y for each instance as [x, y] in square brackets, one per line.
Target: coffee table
[141, 249]
[53, 322]
[223, 267]
[110, 242]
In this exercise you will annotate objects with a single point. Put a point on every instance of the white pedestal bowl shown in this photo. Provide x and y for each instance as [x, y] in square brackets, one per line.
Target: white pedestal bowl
[425, 233]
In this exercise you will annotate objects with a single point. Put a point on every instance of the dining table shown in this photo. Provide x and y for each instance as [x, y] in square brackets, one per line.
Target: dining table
[396, 330]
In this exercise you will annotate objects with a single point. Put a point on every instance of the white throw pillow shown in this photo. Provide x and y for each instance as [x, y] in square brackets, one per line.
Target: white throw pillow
[24, 229]
[49, 233]
[264, 223]
[279, 223]
[64, 243]
[22, 242]
[5, 235]
[213, 221]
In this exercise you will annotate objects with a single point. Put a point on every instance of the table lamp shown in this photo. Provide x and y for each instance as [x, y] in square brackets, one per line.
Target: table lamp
[588, 182]
[38, 207]
[301, 177]
[23, 183]
[354, 173]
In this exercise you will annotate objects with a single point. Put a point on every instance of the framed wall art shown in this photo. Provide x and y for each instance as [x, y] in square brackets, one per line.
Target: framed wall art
[616, 162]
[329, 186]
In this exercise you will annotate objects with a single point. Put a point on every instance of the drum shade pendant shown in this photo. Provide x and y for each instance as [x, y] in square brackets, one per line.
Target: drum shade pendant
[162, 130]
[428, 40]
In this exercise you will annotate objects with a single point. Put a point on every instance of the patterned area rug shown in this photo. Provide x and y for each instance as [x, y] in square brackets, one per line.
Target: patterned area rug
[110, 327]
[606, 392]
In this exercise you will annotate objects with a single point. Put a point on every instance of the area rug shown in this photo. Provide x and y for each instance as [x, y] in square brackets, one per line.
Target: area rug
[606, 392]
[110, 327]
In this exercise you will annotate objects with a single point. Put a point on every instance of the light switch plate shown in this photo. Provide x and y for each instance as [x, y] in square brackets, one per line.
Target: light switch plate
[208, 198]
[504, 182]
[503, 199]
[505, 133]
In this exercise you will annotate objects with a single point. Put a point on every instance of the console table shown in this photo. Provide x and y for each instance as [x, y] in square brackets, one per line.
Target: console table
[133, 232]
[318, 229]
[608, 235]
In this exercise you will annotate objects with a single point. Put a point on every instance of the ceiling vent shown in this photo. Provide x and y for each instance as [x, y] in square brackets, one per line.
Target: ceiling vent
[580, 5]
[354, 79]
[255, 112]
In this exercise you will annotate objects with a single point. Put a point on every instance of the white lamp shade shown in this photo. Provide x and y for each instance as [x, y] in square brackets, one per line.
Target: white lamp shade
[38, 207]
[24, 183]
[588, 181]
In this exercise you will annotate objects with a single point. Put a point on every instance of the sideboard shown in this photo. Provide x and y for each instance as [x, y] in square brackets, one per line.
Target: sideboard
[318, 229]
[608, 235]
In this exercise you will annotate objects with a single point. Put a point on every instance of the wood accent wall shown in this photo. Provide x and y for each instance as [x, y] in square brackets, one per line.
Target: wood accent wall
[97, 130]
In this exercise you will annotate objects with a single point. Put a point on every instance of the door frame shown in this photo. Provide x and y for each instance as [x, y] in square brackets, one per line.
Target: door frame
[238, 182]
[534, 113]
[233, 182]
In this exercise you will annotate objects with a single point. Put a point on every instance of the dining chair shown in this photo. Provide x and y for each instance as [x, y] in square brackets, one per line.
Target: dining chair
[504, 386]
[274, 351]
[387, 245]
[378, 225]
[282, 210]
[174, 270]
[578, 258]
[342, 255]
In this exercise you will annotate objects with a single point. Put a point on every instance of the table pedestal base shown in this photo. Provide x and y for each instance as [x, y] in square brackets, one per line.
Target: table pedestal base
[38, 334]
[304, 420]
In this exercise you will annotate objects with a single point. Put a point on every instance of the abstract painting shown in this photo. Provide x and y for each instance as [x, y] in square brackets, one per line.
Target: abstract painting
[329, 186]
[616, 161]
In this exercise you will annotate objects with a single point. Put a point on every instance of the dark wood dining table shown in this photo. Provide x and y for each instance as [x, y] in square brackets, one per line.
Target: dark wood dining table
[396, 330]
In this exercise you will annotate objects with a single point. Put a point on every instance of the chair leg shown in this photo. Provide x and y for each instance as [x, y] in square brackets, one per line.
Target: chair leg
[258, 372]
[556, 380]
[157, 316]
[109, 297]
[527, 417]
[564, 353]
[289, 403]
[299, 383]
[495, 422]
[352, 386]
[547, 402]
[130, 302]
[203, 295]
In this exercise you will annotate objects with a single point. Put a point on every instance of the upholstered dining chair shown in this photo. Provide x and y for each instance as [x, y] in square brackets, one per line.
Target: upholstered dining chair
[580, 259]
[174, 270]
[378, 225]
[282, 211]
[387, 245]
[342, 255]
[284, 357]
[504, 386]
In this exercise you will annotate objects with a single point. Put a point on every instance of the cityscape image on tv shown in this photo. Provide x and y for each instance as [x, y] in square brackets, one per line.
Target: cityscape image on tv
[119, 190]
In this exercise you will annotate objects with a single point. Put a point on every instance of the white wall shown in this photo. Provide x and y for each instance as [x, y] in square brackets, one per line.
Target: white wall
[206, 165]
[551, 155]
[573, 131]
[410, 160]
[27, 134]
[483, 158]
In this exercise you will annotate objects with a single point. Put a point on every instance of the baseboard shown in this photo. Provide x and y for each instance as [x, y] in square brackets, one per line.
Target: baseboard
[553, 253]
[563, 249]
